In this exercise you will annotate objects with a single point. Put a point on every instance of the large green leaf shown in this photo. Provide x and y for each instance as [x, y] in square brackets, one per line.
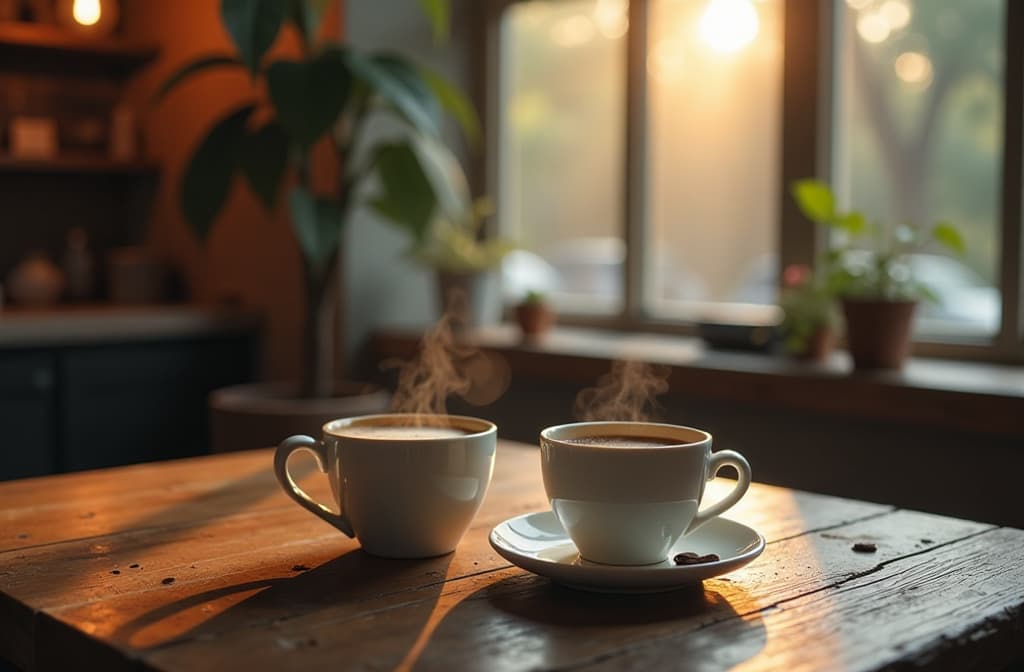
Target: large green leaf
[207, 178]
[191, 68]
[949, 236]
[815, 200]
[406, 195]
[253, 26]
[381, 80]
[439, 14]
[263, 159]
[317, 223]
[455, 102]
[306, 15]
[309, 95]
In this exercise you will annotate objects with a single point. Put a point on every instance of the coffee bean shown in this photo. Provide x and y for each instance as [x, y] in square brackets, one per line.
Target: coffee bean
[864, 547]
[691, 558]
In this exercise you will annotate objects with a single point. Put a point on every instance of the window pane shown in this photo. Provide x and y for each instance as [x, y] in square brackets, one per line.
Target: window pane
[919, 137]
[715, 104]
[562, 150]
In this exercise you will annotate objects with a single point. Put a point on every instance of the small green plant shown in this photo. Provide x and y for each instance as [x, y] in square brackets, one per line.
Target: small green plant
[868, 259]
[534, 298]
[808, 306]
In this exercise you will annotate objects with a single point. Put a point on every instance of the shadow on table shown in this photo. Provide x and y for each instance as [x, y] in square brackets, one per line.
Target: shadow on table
[540, 624]
[302, 611]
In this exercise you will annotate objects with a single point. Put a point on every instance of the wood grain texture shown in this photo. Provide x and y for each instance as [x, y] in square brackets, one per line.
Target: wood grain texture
[259, 583]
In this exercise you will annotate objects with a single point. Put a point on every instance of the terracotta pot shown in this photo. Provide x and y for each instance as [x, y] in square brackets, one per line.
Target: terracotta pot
[820, 345]
[878, 332]
[535, 319]
[243, 417]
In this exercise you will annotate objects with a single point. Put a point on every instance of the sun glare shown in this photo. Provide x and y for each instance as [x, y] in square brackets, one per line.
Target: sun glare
[729, 25]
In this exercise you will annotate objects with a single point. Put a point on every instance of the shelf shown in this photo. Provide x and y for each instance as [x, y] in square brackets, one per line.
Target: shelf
[28, 46]
[76, 165]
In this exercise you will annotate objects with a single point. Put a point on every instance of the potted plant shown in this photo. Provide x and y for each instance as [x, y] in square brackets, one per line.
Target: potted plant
[324, 99]
[867, 268]
[464, 261]
[810, 316]
[534, 315]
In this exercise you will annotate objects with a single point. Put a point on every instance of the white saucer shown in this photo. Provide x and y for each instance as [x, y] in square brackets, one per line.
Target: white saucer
[538, 543]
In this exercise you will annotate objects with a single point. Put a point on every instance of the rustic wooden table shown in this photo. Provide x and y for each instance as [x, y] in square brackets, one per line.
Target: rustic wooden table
[205, 564]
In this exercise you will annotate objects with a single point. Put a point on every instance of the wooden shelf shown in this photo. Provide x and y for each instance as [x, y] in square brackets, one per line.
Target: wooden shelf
[75, 165]
[28, 46]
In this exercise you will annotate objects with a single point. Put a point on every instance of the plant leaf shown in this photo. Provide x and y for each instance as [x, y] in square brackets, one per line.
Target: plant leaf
[815, 200]
[263, 159]
[949, 236]
[317, 223]
[253, 26]
[455, 103]
[307, 15]
[407, 196]
[392, 89]
[207, 179]
[439, 14]
[189, 69]
[309, 95]
[853, 223]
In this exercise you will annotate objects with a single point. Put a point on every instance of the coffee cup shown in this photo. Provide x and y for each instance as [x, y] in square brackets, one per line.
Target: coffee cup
[625, 492]
[407, 486]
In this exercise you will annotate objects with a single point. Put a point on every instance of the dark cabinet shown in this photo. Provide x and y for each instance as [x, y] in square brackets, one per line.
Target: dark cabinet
[28, 431]
[74, 408]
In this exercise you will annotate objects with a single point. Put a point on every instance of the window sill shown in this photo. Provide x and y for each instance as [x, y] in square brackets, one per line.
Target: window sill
[978, 397]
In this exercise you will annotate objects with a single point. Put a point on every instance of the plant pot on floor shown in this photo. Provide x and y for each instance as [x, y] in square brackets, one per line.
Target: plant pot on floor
[878, 332]
[243, 417]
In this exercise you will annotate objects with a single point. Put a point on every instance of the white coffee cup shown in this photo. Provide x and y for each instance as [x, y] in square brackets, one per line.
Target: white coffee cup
[407, 486]
[625, 505]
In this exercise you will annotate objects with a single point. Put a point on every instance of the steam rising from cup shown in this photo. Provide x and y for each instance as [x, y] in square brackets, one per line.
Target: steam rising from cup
[444, 367]
[627, 392]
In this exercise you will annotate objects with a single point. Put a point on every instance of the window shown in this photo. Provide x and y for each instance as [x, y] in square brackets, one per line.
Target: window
[646, 149]
[918, 137]
[562, 148]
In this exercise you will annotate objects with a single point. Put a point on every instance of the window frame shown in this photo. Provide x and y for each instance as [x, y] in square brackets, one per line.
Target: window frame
[808, 29]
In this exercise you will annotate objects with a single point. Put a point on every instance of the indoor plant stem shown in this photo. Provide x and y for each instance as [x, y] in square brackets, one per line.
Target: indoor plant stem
[318, 335]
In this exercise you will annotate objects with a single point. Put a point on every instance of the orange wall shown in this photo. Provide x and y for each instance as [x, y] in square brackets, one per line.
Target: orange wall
[250, 253]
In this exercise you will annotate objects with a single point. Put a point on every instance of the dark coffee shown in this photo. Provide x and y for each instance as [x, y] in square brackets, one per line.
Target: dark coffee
[607, 441]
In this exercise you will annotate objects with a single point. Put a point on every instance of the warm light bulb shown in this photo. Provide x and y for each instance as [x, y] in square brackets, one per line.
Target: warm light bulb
[86, 12]
[729, 25]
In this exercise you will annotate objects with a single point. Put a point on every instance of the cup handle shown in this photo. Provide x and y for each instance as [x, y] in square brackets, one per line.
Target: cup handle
[319, 450]
[718, 460]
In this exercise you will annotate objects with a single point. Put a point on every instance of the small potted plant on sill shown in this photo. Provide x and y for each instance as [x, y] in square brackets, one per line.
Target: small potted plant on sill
[810, 315]
[534, 315]
[868, 270]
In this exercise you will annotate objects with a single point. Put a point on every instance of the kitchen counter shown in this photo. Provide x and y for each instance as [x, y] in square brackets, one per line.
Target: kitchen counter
[105, 323]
